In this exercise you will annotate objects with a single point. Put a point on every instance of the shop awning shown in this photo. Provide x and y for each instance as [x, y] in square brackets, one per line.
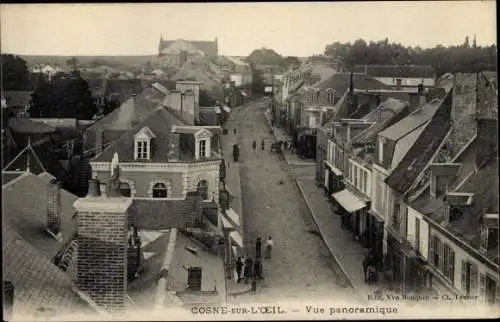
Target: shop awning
[233, 216]
[236, 237]
[243, 93]
[226, 109]
[334, 169]
[235, 250]
[348, 200]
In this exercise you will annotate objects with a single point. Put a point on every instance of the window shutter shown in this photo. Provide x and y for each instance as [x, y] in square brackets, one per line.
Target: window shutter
[451, 266]
[473, 280]
[441, 255]
[482, 286]
[464, 277]
[432, 247]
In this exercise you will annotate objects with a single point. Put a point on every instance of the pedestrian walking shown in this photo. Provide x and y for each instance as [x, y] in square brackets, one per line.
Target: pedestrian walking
[258, 248]
[254, 145]
[234, 131]
[248, 269]
[369, 267]
[257, 268]
[262, 144]
[269, 247]
[239, 268]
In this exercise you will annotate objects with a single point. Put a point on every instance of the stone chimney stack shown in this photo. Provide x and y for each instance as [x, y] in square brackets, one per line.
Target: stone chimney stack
[102, 246]
[194, 86]
[54, 207]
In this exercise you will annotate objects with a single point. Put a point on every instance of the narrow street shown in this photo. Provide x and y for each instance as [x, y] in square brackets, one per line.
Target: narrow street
[301, 267]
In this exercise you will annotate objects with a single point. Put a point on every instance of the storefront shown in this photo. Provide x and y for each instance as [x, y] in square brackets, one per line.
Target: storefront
[333, 179]
[394, 261]
[373, 238]
[352, 209]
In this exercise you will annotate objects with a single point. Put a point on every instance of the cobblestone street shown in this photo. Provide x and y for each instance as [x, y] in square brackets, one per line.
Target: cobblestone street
[301, 265]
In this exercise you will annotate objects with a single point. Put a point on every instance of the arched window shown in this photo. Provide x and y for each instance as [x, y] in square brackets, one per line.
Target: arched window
[202, 189]
[125, 189]
[159, 190]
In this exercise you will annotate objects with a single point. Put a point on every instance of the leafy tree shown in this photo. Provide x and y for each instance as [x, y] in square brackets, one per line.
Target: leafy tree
[462, 58]
[264, 56]
[257, 81]
[15, 74]
[66, 96]
[289, 61]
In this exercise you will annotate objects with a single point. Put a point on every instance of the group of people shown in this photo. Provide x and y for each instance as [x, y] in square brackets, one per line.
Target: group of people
[248, 269]
[370, 268]
[262, 145]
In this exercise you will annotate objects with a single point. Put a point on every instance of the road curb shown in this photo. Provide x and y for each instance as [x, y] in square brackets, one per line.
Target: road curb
[321, 233]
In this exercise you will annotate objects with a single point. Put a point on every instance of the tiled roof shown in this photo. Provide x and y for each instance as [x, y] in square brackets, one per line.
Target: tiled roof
[412, 121]
[386, 114]
[29, 126]
[37, 281]
[421, 152]
[24, 208]
[160, 122]
[340, 82]
[411, 71]
[198, 69]
[17, 98]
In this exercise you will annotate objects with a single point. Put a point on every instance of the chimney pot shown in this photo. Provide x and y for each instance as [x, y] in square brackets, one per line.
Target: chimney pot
[94, 188]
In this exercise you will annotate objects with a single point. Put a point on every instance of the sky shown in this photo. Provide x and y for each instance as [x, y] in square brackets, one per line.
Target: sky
[292, 29]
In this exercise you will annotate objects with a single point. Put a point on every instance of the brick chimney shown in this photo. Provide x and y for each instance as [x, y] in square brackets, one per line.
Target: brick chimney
[54, 207]
[102, 246]
[194, 278]
[194, 86]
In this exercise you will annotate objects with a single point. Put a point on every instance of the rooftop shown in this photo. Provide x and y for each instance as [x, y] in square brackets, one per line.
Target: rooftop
[24, 208]
[424, 148]
[17, 98]
[410, 71]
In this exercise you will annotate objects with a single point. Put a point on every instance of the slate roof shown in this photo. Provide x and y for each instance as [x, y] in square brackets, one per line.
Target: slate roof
[160, 122]
[386, 114]
[24, 208]
[198, 69]
[410, 71]
[17, 98]
[37, 281]
[160, 214]
[143, 290]
[208, 116]
[125, 117]
[340, 82]
[29, 126]
[421, 152]
[417, 118]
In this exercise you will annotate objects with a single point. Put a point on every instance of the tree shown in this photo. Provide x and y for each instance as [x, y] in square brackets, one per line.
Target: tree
[15, 74]
[257, 81]
[264, 56]
[66, 96]
[290, 61]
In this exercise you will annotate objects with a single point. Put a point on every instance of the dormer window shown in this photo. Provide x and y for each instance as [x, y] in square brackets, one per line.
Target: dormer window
[203, 148]
[143, 141]
[489, 232]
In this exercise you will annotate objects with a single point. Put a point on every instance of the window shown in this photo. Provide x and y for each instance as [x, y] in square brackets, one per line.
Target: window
[434, 251]
[448, 263]
[355, 174]
[378, 194]
[202, 189]
[125, 189]
[365, 182]
[142, 150]
[203, 148]
[398, 81]
[482, 286]
[159, 190]
[469, 278]
[396, 215]
[351, 172]
[417, 234]
[381, 150]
